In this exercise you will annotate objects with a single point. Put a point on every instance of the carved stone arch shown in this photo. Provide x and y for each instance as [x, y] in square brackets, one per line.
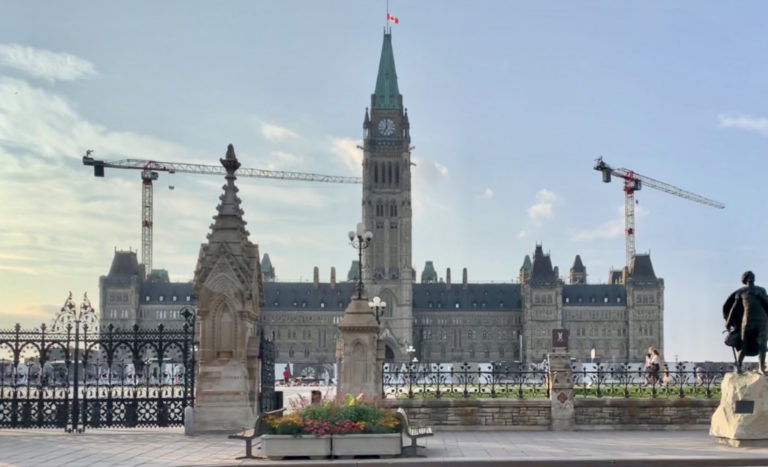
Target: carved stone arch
[225, 332]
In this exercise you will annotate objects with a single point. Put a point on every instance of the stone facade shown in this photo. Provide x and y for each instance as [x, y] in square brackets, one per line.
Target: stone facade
[444, 320]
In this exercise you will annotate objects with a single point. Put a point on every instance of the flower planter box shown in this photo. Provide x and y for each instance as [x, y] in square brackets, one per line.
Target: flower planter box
[367, 444]
[279, 446]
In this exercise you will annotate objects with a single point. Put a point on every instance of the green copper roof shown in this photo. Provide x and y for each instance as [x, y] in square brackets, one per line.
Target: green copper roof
[387, 94]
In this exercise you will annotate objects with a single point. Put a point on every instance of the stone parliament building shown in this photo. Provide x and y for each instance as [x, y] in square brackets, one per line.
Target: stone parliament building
[444, 320]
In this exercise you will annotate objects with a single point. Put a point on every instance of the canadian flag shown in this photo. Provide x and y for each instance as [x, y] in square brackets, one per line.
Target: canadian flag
[392, 18]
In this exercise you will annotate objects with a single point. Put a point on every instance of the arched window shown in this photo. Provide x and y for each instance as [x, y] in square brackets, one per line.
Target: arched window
[397, 175]
[375, 173]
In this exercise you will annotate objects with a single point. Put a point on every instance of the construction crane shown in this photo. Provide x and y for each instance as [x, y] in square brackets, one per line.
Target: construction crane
[633, 182]
[149, 173]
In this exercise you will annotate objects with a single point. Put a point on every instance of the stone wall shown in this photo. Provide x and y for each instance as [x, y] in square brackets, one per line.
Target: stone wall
[644, 414]
[478, 414]
[534, 415]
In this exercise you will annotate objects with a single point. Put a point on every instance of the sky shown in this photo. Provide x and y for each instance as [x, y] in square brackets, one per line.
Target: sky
[510, 103]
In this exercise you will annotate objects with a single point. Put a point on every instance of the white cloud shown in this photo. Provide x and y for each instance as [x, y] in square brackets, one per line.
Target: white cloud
[428, 171]
[522, 234]
[543, 209]
[349, 153]
[606, 230]
[487, 194]
[744, 122]
[38, 122]
[276, 133]
[610, 229]
[44, 64]
[280, 160]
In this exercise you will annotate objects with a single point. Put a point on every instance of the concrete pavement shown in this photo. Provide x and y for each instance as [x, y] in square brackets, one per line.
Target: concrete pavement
[169, 447]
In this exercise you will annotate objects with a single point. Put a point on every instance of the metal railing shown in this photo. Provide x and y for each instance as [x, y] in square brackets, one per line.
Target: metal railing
[464, 380]
[633, 380]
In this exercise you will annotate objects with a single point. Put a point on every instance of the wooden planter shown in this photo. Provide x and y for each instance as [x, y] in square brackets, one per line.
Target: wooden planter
[279, 446]
[367, 444]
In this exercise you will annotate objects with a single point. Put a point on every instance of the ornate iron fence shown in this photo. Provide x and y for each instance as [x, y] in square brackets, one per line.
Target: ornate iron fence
[464, 380]
[72, 377]
[267, 392]
[633, 380]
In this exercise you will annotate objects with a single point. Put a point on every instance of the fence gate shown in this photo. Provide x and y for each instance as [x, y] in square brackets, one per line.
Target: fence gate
[267, 392]
[71, 377]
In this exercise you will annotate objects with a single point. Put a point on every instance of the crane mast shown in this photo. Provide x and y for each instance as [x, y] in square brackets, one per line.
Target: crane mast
[633, 181]
[149, 173]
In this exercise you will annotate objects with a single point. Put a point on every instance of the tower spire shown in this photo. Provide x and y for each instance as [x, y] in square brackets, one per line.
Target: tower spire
[387, 94]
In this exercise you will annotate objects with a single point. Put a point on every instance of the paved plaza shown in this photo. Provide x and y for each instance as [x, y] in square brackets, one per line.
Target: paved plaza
[169, 447]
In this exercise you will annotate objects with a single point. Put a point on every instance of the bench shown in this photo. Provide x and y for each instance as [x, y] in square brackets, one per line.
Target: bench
[412, 432]
[248, 435]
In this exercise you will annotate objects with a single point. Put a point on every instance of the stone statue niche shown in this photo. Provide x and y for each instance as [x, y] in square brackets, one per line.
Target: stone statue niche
[227, 286]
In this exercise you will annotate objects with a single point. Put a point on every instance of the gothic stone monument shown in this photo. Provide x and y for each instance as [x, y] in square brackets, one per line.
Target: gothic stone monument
[227, 286]
[359, 351]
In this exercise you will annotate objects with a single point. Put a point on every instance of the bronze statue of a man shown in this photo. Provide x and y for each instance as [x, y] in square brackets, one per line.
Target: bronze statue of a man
[747, 308]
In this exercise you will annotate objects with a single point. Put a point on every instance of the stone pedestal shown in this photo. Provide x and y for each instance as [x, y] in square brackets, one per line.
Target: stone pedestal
[561, 392]
[222, 403]
[742, 417]
[359, 352]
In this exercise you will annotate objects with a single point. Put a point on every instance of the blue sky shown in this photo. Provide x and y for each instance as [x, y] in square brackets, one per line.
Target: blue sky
[509, 103]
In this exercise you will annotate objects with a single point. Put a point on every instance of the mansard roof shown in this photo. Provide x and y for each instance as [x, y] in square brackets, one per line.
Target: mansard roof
[124, 267]
[541, 271]
[472, 297]
[163, 293]
[387, 94]
[594, 295]
[642, 269]
[290, 296]
[578, 266]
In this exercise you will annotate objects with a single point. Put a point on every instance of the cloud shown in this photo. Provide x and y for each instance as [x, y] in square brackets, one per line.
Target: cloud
[542, 210]
[744, 122]
[276, 133]
[428, 171]
[487, 194]
[609, 229]
[349, 153]
[606, 230]
[522, 234]
[280, 160]
[34, 121]
[44, 64]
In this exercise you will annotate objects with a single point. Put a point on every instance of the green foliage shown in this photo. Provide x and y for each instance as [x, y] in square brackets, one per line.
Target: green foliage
[339, 416]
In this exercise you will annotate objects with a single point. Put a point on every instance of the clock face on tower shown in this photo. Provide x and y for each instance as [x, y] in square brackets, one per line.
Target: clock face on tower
[386, 127]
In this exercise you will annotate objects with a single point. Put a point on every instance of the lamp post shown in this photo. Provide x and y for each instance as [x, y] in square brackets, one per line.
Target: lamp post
[377, 305]
[68, 317]
[360, 240]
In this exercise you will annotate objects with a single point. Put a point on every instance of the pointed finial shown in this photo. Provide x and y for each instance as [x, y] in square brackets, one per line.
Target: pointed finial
[230, 162]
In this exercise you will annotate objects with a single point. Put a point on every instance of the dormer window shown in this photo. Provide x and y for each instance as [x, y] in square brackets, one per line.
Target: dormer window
[161, 298]
[175, 298]
[146, 299]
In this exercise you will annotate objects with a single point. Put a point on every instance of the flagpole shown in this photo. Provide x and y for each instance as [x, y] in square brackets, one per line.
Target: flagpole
[387, 22]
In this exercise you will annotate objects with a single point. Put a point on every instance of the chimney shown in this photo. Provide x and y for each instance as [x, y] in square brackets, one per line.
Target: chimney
[316, 276]
[448, 278]
[464, 278]
[333, 277]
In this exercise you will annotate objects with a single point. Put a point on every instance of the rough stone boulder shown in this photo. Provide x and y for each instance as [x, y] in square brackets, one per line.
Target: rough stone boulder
[742, 417]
